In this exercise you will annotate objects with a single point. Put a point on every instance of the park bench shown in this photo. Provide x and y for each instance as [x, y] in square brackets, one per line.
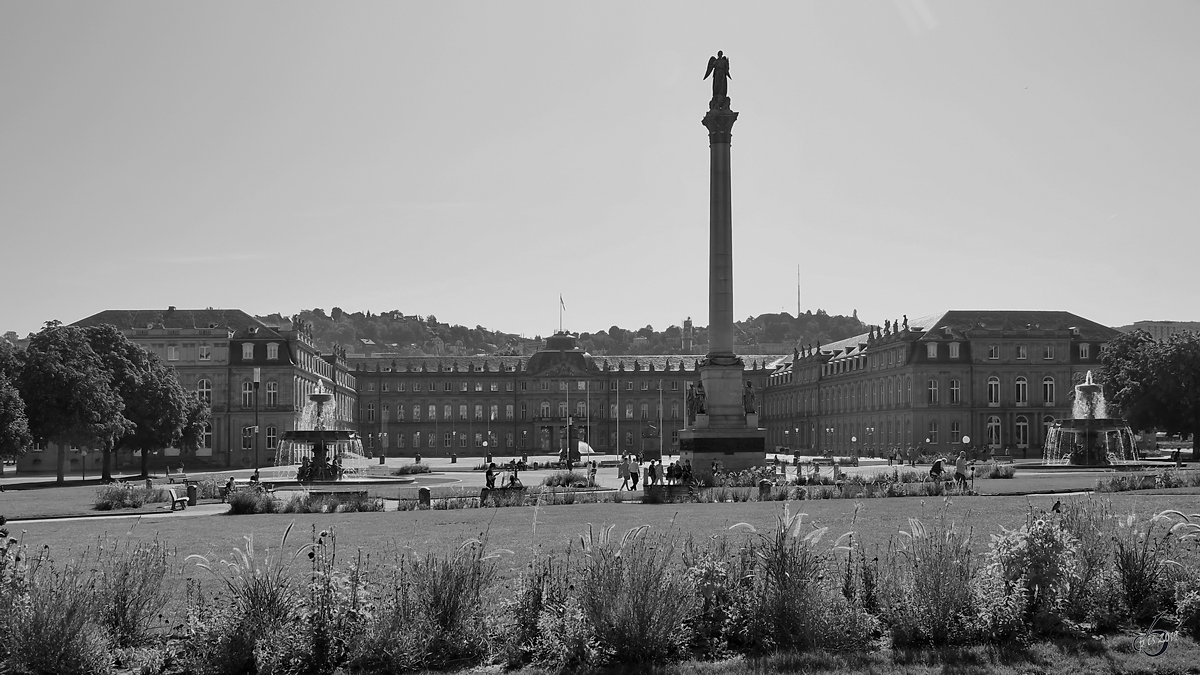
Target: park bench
[177, 500]
[177, 478]
[1002, 459]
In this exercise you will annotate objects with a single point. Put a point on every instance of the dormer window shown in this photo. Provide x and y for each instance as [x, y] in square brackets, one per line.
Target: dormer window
[272, 351]
[247, 351]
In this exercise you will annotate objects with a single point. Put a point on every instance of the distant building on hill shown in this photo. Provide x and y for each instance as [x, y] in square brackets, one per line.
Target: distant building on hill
[1161, 330]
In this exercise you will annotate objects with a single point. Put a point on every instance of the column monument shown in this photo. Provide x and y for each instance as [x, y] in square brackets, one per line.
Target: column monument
[722, 422]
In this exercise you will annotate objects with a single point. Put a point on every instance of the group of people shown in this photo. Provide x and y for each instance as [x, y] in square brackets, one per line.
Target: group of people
[902, 456]
[511, 478]
[629, 471]
[960, 469]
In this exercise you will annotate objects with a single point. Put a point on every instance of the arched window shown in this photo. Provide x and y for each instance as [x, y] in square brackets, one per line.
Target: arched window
[432, 440]
[993, 431]
[416, 417]
[416, 440]
[993, 386]
[933, 392]
[544, 410]
[1022, 386]
[581, 409]
[1022, 432]
[204, 390]
[432, 415]
[562, 409]
[1048, 390]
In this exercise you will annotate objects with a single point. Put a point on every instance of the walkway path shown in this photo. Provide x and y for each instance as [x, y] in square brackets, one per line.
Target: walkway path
[166, 512]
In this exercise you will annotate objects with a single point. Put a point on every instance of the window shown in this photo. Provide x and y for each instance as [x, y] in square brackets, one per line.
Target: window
[932, 434]
[447, 386]
[272, 394]
[416, 439]
[447, 412]
[447, 440]
[1084, 351]
[508, 440]
[545, 385]
[629, 438]
[993, 431]
[400, 387]
[384, 386]
[416, 417]
[581, 409]
[399, 417]
[508, 411]
[508, 386]
[478, 440]
[993, 390]
[494, 386]
[931, 350]
[462, 412]
[561, 385]
[954, 350]
[462, 440]
[674, 385]
[544, 409]
[1048, 390]
[1022, 432]
[562, 409]
[494, 412]
[674, 411]
[629, 386]
[628, 411]
[933, 392]
[955, 432]
[462, 386]
[247, 438]
[384, 412]
[612, 411]
[172, 352]
[371, 412]
[432, 413]
[1048, 354]
[645, 411]
[1022, 353]
[272, 351]
[432, 440]
[417, 387]
[206, 437]
[478, 412]
[524, 412]
[956, 391]
[478, 386]
[612, 386]
[645, 385]
[204, 390]
[993, 352]
[247, 394]
[204, 352]
[272, 437]
[581, 385]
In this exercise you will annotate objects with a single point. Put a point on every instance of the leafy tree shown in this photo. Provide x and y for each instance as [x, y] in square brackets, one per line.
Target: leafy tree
[1155, 384]
[14, 427]
[155, 404]
[68, 392]
[195, 417]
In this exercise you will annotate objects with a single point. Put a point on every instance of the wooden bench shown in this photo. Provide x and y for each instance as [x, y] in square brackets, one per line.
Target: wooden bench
[177, 500]
[1003, 459]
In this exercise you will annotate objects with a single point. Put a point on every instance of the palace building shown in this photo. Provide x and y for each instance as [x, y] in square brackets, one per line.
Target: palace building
[524, 404]
[946, 381]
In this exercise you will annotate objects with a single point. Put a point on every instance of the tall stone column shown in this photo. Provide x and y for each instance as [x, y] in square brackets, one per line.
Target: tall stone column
[724, 434]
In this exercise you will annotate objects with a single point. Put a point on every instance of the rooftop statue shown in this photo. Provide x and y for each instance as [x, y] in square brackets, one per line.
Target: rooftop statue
[718, 67]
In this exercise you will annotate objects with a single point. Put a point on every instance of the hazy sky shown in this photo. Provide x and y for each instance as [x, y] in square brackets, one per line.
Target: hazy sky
[475, 160]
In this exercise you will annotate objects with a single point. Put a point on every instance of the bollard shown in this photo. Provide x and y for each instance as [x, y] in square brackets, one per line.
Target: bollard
[192, 493]
[423, 497]
[453, 458]
[381, 458]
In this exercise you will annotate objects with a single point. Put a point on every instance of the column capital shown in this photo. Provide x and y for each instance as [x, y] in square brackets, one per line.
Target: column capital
[719, 122]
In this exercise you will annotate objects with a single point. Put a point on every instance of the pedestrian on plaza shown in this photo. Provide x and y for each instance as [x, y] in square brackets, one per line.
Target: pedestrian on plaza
[633, 473]
[592, 473]
[490, 476]
[936, 471]
[623, 473]
[960, 470]
[651, 474]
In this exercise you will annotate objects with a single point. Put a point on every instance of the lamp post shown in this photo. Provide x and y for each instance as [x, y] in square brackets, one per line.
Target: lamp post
[853, 447]
[871, 441]
[257, 379]
[83, 462]
[785, 440]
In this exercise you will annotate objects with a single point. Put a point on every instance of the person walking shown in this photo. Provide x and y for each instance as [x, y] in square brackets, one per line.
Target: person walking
[623, 473]
[960, 470]
[652, 474]
[490, 476]
[633, 473]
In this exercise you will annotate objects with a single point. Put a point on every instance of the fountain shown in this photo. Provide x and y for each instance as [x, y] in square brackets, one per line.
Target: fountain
[1090, 438]
[310, 446]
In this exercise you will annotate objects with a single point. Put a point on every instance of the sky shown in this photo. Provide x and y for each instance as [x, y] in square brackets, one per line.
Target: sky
[476, 160]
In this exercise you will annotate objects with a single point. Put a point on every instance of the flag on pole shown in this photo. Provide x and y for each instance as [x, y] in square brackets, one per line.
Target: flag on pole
[562, 304]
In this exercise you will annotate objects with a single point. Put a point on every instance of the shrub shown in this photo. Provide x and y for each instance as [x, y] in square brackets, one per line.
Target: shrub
[432, 614]
[408, 469]
[116, 496]
[635, 596]
[251, 501]
[926, 586]
[1140, 556]
[993, 470]
[1093, 597]
[565, 479]
[1039, 558]
[223, 633]
[129, 590]
[52, 630]
[349, 503]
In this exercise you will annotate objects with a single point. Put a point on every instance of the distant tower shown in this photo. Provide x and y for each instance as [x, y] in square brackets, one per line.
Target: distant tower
[797, 291]
[688, 334]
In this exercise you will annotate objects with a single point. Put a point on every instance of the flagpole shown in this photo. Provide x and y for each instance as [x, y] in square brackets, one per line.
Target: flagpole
[660, 424]
[618, 417]
[588, 389]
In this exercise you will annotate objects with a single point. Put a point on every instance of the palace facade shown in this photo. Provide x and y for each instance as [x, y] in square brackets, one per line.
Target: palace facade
[524, 404]
[947, 381]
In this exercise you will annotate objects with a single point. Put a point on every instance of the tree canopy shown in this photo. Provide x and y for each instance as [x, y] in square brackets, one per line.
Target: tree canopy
[1154, 384]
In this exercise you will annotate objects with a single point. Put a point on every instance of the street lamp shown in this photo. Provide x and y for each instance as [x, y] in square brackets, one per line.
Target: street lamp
[257, 378]
[83, 461]
[871, 441]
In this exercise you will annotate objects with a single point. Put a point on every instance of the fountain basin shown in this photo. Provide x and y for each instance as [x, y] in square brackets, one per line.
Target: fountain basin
[1090, 442]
